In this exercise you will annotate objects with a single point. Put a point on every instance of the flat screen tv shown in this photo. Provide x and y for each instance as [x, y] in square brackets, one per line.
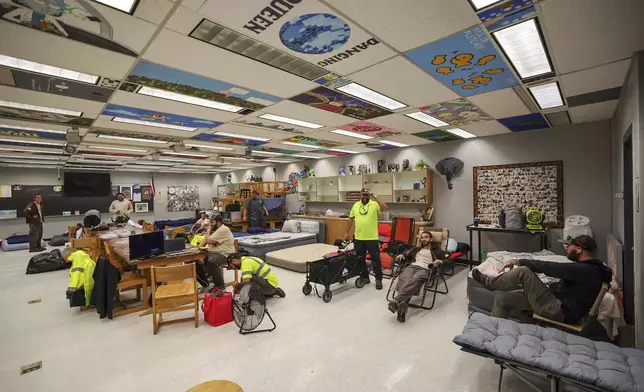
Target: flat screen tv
[87, 184]
[146, 245]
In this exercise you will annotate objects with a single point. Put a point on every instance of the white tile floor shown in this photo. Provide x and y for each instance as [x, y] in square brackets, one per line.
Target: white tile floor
[350, 344]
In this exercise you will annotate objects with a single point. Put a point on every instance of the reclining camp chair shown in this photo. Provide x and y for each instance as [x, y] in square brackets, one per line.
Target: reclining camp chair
[395, 239]
[436, 274]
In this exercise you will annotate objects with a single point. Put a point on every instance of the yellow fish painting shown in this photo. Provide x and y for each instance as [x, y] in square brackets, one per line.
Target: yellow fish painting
[469, 87]
[486, 59]
[462, 60]
[438, 59]
[457, 82]
[444, 70]
[481, 80]
[494, 71]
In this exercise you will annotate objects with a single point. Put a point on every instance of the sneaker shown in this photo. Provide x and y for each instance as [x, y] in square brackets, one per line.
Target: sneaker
[393, 307]
[379, 284]
[280, 293]
[402, 312]
[366, 280]
[478, 276]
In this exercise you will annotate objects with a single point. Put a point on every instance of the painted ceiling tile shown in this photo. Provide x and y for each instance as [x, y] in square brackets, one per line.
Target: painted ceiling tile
[157, 117]
[507, 7]
[456, 112]
[437, 136]
[370, 129]
[337, 102]
[526, 122]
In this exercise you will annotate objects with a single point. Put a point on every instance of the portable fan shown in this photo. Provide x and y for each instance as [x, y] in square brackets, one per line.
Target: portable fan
[534, 219]
[249, 308]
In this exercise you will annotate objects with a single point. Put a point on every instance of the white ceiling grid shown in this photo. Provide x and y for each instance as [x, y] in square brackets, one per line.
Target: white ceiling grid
[589, 42]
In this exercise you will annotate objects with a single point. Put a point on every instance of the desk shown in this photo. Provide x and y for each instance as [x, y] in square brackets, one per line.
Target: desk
[542, 234]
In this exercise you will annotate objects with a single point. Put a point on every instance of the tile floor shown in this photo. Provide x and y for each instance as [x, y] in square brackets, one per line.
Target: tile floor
[350, 344]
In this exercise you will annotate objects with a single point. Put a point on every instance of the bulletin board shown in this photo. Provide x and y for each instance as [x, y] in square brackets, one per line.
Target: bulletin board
[534, 184]
[140, 195]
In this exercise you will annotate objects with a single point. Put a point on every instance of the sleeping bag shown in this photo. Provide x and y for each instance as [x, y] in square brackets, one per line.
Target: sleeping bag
[45, 262]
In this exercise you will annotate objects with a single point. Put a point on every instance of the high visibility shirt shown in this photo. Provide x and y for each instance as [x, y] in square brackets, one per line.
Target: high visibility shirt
[366, 220]
[254, 266]
[80, 274]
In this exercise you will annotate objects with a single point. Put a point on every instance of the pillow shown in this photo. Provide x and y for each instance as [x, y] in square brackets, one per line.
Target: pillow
[309, 226]
[291, 226]
[452, 245]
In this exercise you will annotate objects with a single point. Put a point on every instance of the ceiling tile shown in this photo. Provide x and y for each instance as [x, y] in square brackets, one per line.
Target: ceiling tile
[485, 128]
[253, 121]
[183, 20]
[89, 108]
[407, 139]
[410, 23]
[106, 122]
[588, 33]
[500, 103]
[401, 123]
[193, 4]
[153, 11]
[307, 113]
[242, 130]
[410, 85]
[594, 112]
[595, 79]
[198, 57]
[334, 137]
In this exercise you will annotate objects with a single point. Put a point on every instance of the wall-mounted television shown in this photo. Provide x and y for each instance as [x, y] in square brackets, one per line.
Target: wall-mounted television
[81, 184]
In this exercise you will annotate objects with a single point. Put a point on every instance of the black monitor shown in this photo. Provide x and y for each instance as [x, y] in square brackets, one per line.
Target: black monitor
[146, 245]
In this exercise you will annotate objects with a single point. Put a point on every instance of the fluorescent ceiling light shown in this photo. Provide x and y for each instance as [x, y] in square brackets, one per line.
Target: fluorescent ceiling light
[461, 133]
[32, 129]
[266, 152]
[427, 119]
[32, 151]
[31, 66]
[62, 159]
[291, 121]
[304, 145]
[28, 161]
[36, 108]
[31, 141]
[123, 5]
[236, 158]
[547, 95]
[141, 168]
[261, 139]
[352, 134]
[341, 150]
[88, 168]
[23, 166]
[371, 96]
[153, 124]
[232, 168]
[117, 148]
[153, 92]
[306, 156]
[523, 45]
[195, 167]
[98, 162]
[211, 147]
[276, 160]
[478, 4]
[132, 139]
[117, 157]
[156, 163]
[184, 154]
[395, 144]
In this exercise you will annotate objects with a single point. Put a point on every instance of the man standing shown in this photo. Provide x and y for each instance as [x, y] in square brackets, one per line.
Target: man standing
[220, 244]
[255, 210]
[34, 217]
[121, 207]
[521, 289]
[364, 214]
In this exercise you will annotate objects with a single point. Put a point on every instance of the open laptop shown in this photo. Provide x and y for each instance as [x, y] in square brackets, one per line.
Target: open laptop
[174, 245]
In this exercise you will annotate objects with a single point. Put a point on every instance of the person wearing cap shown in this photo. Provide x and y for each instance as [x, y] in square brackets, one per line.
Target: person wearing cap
[203, 223]
[364, 215]
[255, 210]
[521, 289]
[253, 269]
[220, 243]
[121, 208]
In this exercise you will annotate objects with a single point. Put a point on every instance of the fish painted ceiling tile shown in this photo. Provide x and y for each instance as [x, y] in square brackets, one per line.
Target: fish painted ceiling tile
[456, 112]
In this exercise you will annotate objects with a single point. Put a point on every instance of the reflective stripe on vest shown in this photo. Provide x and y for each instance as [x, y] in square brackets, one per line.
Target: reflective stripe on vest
[261, 265]
[77, 269]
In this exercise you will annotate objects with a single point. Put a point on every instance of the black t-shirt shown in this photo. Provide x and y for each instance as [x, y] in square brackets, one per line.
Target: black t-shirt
[255, 208]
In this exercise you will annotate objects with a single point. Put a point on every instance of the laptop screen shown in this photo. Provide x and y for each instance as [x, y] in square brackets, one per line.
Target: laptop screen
[146, 245]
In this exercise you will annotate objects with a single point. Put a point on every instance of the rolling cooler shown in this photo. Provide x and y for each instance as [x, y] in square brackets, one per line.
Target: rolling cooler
[337, 268]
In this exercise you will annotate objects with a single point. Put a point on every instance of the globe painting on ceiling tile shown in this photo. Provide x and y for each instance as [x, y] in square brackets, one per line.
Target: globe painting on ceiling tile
[466, 62]
[337, 102]
[370, 129]
[526, 122]
[305, 29]
[505, 8]
[457, 112]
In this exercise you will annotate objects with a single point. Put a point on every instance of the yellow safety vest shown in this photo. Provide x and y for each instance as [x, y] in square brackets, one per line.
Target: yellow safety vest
[80, 274]
[254, 266]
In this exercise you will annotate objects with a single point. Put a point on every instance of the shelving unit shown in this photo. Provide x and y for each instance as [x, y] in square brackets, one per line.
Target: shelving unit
[327, 189]
[349, 187]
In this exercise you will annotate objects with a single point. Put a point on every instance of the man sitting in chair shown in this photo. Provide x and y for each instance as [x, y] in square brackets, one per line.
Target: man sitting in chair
[256, 270]
[520, 288]
[414, 276]
[221, 243]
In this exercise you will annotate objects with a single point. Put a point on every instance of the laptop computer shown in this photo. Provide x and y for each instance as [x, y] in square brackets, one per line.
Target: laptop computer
[174, 245]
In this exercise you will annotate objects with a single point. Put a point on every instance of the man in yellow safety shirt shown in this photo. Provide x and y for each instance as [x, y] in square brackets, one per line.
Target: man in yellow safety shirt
[256, 270]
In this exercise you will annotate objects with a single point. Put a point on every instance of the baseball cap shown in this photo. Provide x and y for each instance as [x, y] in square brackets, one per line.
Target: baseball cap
[219, 218]
[364, 191]
[585, 242]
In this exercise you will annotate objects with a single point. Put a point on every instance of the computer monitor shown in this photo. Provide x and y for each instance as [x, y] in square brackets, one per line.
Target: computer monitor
[146, 245]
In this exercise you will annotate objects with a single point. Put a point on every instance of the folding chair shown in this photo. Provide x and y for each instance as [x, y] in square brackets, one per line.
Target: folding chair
[172, 297]
[402, 233]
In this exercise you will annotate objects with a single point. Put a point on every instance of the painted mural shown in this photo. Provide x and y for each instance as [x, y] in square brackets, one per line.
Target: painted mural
[377, 145]
[457, 112]
[332, 81]
[235, 141]
[507, 7]
[58, 86]
[9, 131]
[264, 124]
[180, 82]
[157, 117]
[370, 129]
[466, 62]
[337, 102]
[511, 19]
[309, 141]
[135, 135]
[437, 136]
[43, 117]
[525, 123]
[276, 150]
[78, 20]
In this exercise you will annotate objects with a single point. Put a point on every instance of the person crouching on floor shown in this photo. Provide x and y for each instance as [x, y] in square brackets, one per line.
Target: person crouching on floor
[254, 269]
[521, 289]
[414, 276]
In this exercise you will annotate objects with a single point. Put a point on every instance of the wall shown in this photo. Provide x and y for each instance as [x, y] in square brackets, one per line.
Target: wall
[58, 224]
[583, 148]
[630, 113]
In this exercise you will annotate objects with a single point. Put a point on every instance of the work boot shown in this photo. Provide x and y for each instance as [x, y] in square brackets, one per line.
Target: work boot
[479, 277]
[402, 312]
[280, 293]
[393, 307]
[366, 280]
[378, 284]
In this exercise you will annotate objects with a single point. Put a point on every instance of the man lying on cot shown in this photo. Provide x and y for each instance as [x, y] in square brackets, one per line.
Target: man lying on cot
[256, 270]
[521, 289]
[414, 275]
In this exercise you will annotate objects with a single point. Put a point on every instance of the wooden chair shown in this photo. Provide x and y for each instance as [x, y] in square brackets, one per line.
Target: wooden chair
[576, 328]
[148, 226]
[130, 281]
[71, 230]
[172, 297]
[91, 246]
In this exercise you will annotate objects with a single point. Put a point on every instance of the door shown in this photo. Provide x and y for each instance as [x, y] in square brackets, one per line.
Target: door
[629, 255]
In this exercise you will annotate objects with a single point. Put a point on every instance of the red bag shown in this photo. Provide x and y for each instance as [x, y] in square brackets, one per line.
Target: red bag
[217, 308]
